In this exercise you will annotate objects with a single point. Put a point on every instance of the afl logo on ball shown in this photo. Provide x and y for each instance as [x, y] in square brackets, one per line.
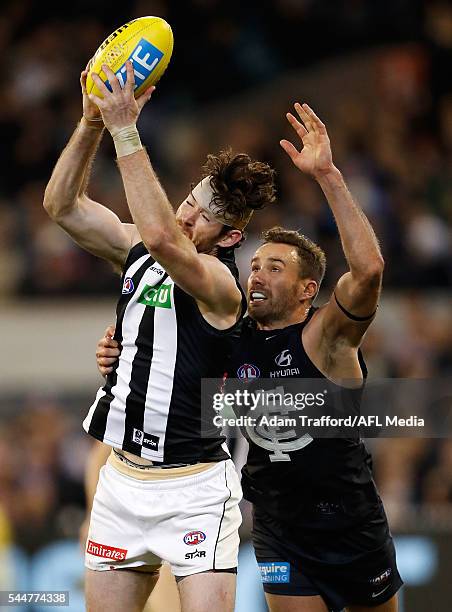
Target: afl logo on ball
[248, 371]
[193, 538]
[128, 285]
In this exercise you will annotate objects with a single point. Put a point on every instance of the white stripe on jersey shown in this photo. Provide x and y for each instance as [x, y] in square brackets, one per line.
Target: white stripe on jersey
[114, 432]
[130, 327]
[161, 377]
[86, 423]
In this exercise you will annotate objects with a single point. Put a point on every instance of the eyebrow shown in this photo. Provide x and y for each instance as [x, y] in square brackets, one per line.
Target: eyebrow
[270, 259]
[210, 216]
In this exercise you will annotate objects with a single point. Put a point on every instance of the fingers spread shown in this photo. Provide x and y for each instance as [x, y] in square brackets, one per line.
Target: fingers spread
[303, 116]
[297, 126]
[145, 97]
[130, 83]
[311, 113]
[101, 87]
[289, 148]
[316, 122]
[112, 79]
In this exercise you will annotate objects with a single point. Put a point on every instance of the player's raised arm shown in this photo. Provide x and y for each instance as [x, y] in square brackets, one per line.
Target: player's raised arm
[201, 275]
[93, 226]
[355, 299]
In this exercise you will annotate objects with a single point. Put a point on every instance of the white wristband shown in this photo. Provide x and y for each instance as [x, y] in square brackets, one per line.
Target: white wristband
[127, 141]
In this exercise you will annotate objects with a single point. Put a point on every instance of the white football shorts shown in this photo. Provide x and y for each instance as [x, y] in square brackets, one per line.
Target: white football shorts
[190, 521]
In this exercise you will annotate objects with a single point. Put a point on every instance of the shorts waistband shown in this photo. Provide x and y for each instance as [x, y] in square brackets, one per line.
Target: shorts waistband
[150, 473]
[150, 465]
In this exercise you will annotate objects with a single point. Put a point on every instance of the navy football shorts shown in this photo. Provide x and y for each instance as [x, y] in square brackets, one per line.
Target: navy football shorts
[289, 565]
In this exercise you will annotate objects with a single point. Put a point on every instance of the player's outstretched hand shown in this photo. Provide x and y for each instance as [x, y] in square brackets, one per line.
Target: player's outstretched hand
[315, 156]
[118, 107]
[108, 351]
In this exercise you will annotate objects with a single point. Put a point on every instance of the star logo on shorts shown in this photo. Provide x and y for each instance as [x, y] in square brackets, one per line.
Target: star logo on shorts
[195, 554]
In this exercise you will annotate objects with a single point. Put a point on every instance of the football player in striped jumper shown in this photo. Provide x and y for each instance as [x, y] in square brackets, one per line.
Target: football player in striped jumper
[166, 492]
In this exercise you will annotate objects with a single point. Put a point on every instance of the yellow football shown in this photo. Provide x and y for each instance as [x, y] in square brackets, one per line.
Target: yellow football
[147, 42]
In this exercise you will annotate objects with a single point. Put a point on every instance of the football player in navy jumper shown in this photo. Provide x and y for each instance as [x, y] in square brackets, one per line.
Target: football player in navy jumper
[318, 518]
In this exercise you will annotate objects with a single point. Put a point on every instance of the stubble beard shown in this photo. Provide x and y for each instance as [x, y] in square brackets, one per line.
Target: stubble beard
[276, 310]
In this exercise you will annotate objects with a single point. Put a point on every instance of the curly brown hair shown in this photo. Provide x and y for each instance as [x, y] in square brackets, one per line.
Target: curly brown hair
[311, 256]
[240, 184]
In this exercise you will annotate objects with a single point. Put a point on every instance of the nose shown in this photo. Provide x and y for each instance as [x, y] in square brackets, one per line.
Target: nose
[256, 279]
[188, 221]
[189, 217]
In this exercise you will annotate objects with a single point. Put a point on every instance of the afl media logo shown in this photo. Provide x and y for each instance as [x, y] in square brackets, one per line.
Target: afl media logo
[248, 371]
[128, 285]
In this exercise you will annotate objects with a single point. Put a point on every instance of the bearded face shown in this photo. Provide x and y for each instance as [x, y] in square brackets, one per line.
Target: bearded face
[198, 222]
[275, 288]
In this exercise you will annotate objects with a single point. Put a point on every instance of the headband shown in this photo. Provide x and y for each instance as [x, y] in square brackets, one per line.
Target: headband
[204, 195]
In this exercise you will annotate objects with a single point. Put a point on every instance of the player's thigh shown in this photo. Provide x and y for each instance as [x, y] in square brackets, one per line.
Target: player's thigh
[208, 591]
[165, 596]
[293, 603]
[389, 606]
[118, 590]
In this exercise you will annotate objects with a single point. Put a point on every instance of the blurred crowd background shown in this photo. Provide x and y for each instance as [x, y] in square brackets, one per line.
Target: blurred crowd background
[378, 74]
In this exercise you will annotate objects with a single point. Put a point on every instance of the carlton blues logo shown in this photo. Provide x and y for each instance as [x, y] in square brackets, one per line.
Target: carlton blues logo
[127, 286]
[248, 371]
[193, 538]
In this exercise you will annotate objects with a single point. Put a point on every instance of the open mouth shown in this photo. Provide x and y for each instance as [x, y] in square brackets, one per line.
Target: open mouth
[257, 297]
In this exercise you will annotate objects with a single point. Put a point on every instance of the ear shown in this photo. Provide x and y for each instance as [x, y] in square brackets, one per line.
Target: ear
[229, 239]
[309, 291]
